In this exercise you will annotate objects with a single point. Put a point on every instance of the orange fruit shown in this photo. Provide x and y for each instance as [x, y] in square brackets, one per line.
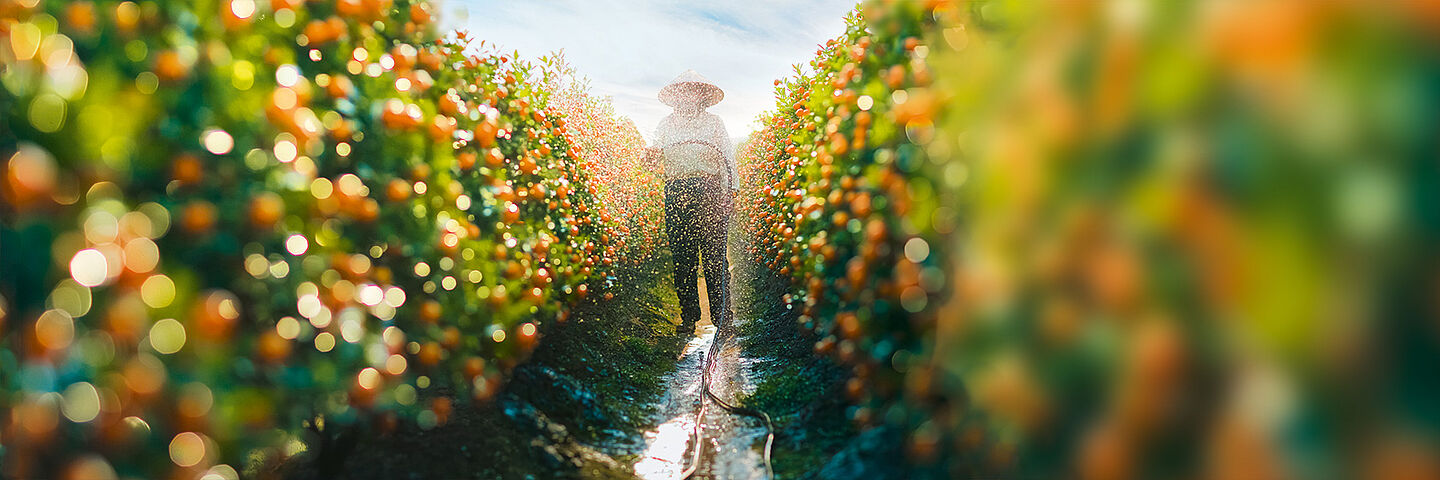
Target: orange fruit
[397, 190]
[198, 217]
[430, 353]
[431, 60]
[493, 158]
[474, 367]
[340, 86]
[266, 209]
[420, 13]
[430, 311]
[80, 17]
[170, 67]
[485, 132]
[466, 160]
[272, 347]
[442, 408]
[231, 20]
[215, 313]
[441, 128]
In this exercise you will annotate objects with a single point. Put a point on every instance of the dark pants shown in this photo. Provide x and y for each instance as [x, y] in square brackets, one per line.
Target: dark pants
[697, 219]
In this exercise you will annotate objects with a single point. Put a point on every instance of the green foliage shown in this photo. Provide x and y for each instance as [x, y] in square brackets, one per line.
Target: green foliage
[228, 217]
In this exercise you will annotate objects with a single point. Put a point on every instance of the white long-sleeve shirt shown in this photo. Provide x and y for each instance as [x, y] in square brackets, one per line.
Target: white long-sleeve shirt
[695, 144]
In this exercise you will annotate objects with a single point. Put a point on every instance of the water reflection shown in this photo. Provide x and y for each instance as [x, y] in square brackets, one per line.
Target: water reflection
[667, 445]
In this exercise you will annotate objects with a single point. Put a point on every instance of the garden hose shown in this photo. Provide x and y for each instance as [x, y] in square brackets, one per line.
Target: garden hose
[749, 412]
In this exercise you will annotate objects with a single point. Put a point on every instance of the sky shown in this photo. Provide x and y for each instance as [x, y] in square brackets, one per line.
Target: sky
[630, 49]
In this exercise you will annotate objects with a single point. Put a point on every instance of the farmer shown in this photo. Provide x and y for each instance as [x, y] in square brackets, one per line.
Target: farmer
[698, 160]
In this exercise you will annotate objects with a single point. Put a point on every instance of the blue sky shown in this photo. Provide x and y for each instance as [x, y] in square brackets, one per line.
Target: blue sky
[629, 49]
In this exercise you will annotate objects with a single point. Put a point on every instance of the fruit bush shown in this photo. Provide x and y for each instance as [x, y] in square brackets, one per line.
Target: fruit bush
[216, 232]
[1151, 238]
[611, 149]
[843, 201]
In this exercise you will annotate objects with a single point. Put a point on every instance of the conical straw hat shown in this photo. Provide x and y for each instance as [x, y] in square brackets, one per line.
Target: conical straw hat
[691, 85]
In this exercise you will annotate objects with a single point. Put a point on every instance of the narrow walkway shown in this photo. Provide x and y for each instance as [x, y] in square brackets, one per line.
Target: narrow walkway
[728, 442]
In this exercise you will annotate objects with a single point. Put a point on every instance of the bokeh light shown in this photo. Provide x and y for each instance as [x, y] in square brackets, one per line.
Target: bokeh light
[55, 330]
[167, 336]
[89, 268]
[187, 449]
[297, 244]
[82, 402]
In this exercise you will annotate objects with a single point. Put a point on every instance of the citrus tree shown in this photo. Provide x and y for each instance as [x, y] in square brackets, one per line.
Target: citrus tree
[612, 148]
[227, 219]
[1151, 238]
[843, 201]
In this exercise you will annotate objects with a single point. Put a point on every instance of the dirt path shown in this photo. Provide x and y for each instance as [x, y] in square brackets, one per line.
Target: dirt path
[728, 445]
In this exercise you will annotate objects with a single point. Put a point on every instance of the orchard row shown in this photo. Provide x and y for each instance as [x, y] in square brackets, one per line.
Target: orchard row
[1150, 238]
[844, 201]
[217, 232]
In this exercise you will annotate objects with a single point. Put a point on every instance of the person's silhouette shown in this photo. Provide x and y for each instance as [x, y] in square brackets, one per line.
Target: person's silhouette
[698, 160]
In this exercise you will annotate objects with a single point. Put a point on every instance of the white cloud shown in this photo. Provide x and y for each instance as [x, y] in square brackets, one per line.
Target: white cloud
[630, 49]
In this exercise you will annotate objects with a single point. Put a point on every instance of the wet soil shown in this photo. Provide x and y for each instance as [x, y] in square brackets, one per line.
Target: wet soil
[729, 444]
